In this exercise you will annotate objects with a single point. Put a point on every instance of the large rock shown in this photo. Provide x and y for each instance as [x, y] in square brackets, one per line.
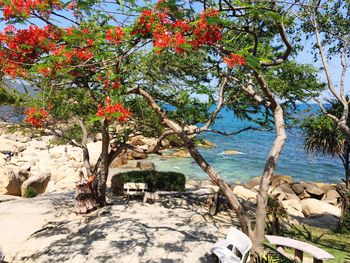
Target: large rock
[137, 140]
[277, 191]
[245, 193]
[252, 182]
[286, 188]
[138, 155]
[298, 188]
[313, 190]
[37, 181]
[67, 182]
[289, 196]
[286, 192]
[206, 183]
[193, 183]
[60, 173]
[206, 144]
[145, 166]
[278, 179]
[230, 152]
[304, 195]
[181, 153]
[312, 207]
[11, 181]
[293, 207]
[326, 187]
[331, 197]
[119, 161]
[7, 145]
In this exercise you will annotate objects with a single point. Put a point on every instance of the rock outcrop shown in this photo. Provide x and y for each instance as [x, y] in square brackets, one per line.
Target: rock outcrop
[11, 180]
[312, 207]
[38, 182]
[145, 166]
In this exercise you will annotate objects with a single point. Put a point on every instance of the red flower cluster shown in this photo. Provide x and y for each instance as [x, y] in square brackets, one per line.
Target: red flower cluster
[206, 33]
[115, 35]
[24, 46]
[36, 116]
[115, 84]
[23, 8]
[147, 19]
[234, 60]
[115, 111]
[178, 35]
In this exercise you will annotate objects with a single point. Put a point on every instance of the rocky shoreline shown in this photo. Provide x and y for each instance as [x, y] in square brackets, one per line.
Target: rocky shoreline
[50, 168]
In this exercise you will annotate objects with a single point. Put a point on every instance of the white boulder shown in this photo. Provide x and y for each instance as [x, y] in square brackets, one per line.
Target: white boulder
[312, 206]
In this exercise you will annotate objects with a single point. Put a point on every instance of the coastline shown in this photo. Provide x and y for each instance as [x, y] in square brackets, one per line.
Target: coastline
[50, 212]
[55, 168]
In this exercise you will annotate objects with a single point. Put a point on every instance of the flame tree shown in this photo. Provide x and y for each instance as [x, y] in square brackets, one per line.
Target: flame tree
[80, 54]
[82, 67]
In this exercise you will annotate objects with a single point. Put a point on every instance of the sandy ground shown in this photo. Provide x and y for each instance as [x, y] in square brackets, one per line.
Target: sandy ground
[44, 229]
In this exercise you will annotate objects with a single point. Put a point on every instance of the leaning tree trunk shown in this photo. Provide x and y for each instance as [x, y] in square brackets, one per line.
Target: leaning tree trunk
[103, 166]
[214, 176]
[345, 160]
[224, 187]
[85, 197]
[270, 167]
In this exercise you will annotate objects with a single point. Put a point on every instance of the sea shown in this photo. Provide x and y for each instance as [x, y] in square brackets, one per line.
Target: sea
[254, 147]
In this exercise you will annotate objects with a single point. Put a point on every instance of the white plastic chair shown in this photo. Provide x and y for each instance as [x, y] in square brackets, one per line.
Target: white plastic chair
[235, 248]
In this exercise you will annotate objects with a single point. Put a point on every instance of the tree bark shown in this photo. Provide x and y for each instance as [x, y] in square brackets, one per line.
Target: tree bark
[104, 165]
[346, 163]
[270, 167]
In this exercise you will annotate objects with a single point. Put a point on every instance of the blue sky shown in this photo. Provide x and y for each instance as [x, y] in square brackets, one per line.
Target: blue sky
[304, 57]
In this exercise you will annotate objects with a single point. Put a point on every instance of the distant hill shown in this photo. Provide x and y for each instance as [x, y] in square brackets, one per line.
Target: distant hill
[10, 113]
[21, 86]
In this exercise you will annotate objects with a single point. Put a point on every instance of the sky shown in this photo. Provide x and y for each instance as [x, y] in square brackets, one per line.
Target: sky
[304, 57]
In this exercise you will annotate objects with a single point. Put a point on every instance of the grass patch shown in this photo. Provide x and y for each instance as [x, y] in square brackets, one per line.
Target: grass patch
[334, 243]
[30, 192]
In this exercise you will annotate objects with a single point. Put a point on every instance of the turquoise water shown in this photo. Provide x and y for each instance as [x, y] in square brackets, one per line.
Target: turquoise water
[255, 146]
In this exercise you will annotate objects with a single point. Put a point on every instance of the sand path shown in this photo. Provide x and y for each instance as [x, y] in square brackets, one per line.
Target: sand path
[44, 229]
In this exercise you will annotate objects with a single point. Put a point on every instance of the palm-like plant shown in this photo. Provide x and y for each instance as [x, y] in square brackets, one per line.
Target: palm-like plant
[323, 136]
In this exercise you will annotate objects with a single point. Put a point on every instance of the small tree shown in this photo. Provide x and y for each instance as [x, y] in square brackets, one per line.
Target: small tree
[328, 22]
[323, 135]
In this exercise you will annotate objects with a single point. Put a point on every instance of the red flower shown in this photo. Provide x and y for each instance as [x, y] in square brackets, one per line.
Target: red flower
[234, 60]
[24, 7]
[113, 112]
[36, 116]
[115, 35]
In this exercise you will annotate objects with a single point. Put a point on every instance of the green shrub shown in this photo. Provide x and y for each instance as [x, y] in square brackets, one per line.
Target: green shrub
[156, 181]
[344, 224]
[275, 215]
[30, 192]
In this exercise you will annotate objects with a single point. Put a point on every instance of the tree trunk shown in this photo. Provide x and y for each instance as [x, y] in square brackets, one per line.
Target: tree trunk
[104, 165]
[85, 198]
[214, 176]
[345, 160]
[270, 167]
[224, 187]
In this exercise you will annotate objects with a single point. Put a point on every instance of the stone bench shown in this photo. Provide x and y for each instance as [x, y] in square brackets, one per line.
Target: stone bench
[300, 247]
[134, 189]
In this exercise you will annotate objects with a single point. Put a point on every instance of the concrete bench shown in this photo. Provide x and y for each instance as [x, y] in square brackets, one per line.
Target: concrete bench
[300, 247]
[134, 189]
